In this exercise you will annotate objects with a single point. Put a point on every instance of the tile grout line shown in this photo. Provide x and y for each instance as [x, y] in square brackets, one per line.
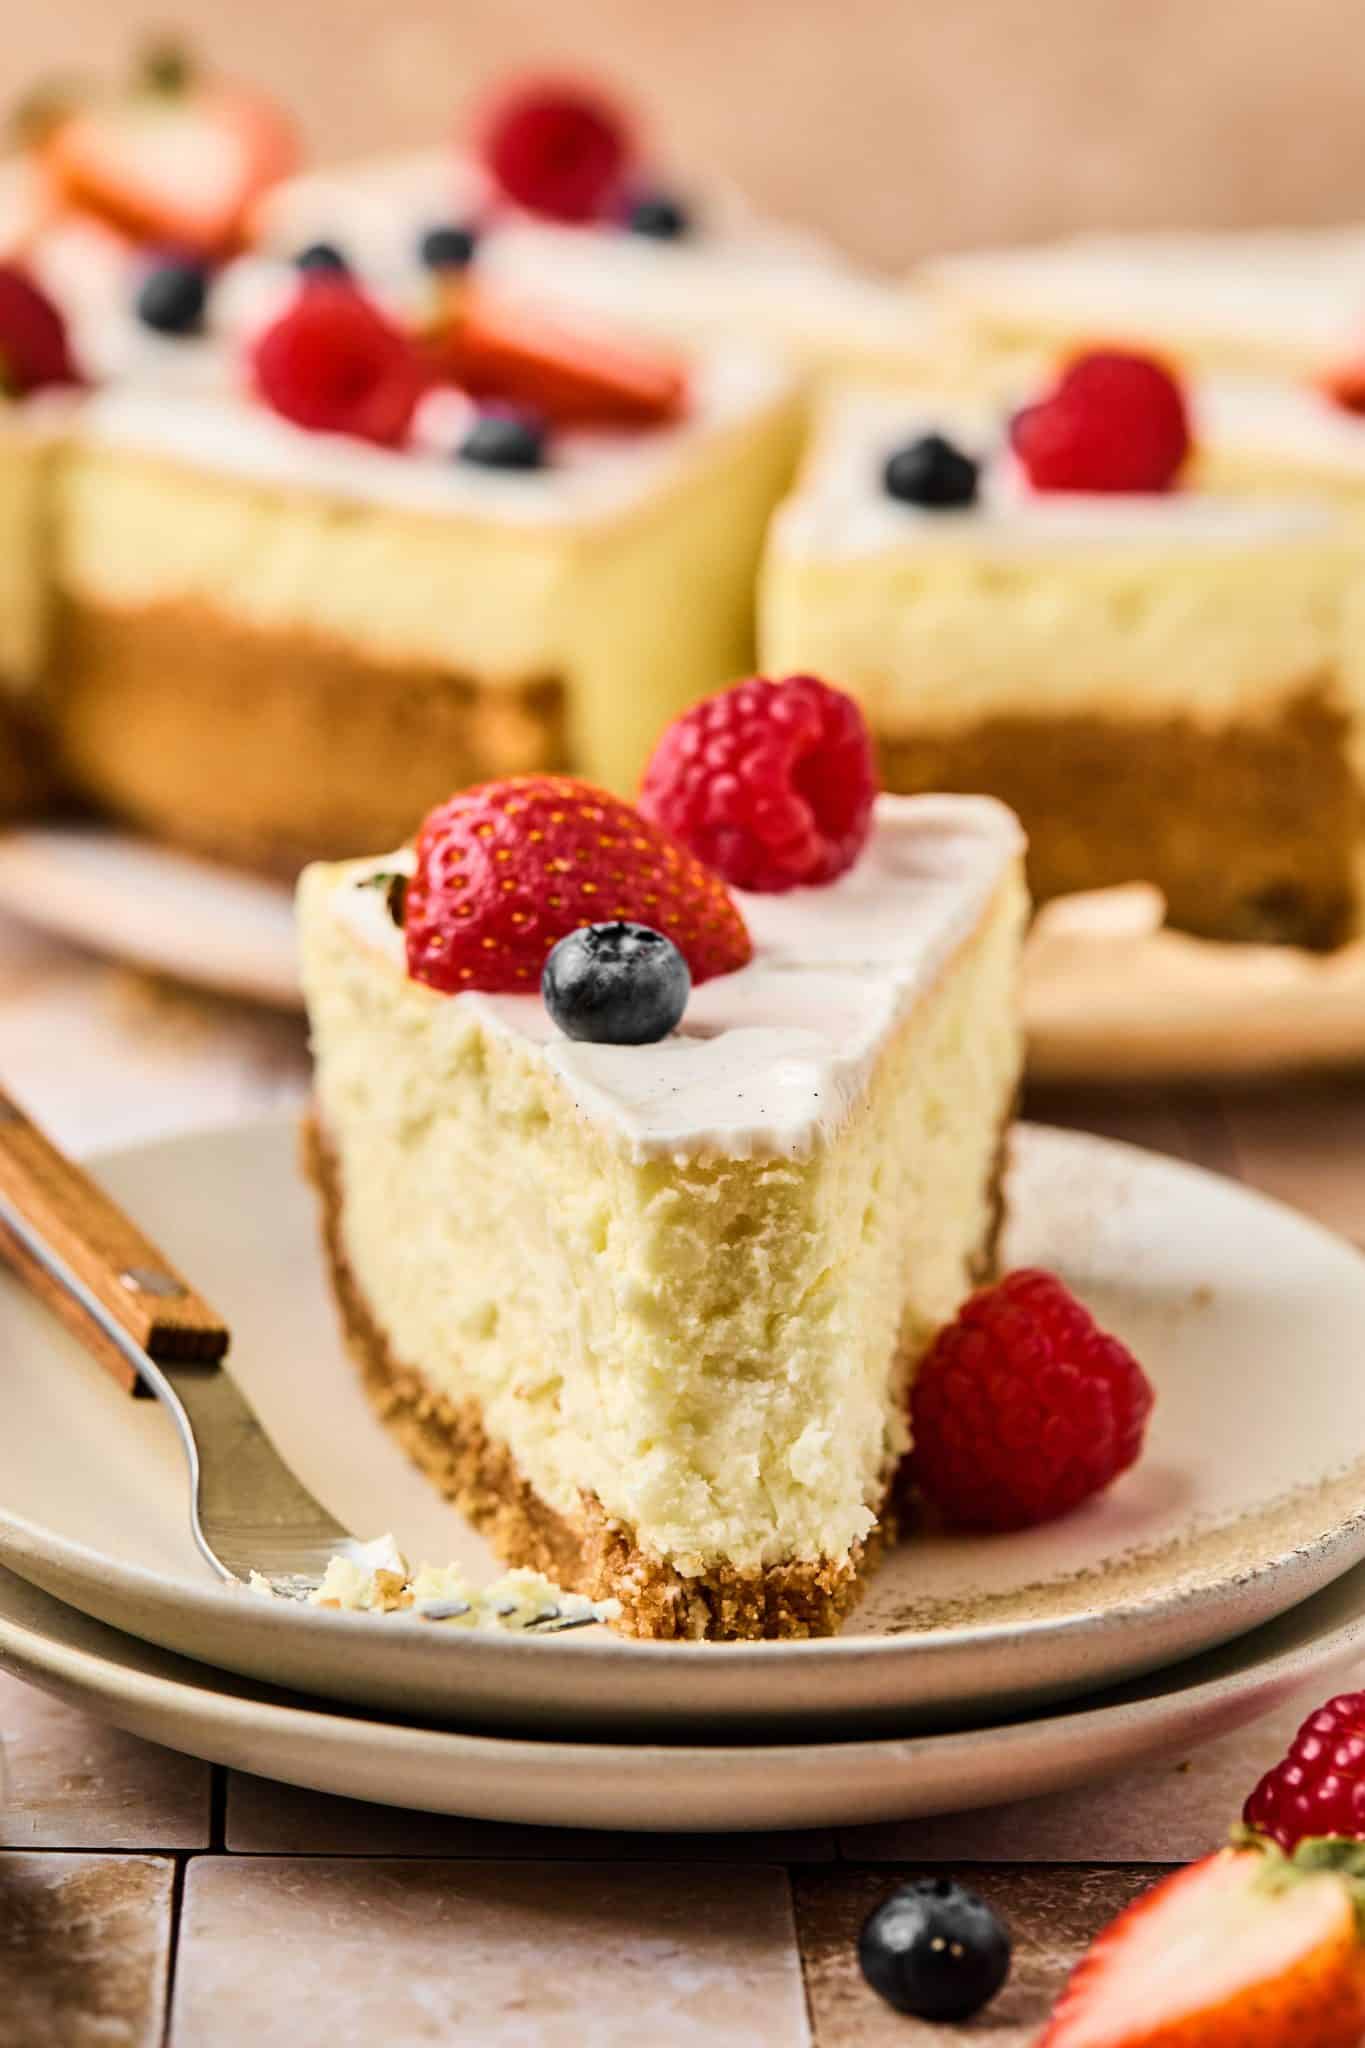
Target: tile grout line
[182, 1864]
[218, 1799]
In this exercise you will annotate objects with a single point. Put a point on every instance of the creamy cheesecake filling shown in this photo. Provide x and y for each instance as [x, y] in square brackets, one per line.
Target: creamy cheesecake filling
[701, 1321]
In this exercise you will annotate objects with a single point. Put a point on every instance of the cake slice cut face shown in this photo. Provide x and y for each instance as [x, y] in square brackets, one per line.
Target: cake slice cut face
[648, 1313]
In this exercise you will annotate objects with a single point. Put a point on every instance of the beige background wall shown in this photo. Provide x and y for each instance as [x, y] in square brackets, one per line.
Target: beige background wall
[902, 125]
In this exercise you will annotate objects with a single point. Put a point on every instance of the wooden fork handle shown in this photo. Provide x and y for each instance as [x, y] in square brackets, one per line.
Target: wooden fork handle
[85, 1229]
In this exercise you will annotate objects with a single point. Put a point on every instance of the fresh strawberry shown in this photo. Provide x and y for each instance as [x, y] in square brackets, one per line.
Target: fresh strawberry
[507, 869]
[568, 375]
[1319, 1787]
[1024, 1407]
[770, 783]
[333, 363]
[1243, 1950]
[557, 149]
[34, 350]
[176, 162]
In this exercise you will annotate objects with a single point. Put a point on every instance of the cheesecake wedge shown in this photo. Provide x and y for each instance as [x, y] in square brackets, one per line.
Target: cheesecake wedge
[648, 1313]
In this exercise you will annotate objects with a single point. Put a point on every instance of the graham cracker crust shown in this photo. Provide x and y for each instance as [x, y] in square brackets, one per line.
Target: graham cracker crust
[273, 749]
[590, 1553]
[1249, 831]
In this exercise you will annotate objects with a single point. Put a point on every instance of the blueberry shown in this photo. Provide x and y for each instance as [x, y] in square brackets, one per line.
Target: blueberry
[616, 984]
[504, 440]
[172, 298]
[931, 471]
[324, 257]
[661, 218]
[934, 1949]
[449, 247]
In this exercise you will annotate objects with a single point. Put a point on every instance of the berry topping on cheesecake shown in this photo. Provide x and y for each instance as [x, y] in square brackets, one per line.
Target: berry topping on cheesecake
[335, 364]
[449, 246]
[178, 160]
[172, 298]
[658, 216]
[770, 783]
[1319, 1787]
[616, 984]
[557, 149]
[1024, 1407]
[575, 378]
[507, 869]
[504, 440]
[932, 472]
[34, 348]
[1113, 422]
[324, 257]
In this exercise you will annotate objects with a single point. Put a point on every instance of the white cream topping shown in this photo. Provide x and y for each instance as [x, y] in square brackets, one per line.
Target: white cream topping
[589, 474]
[841, 506]
[1282, 289]
[1290, 423]
[771, 1059]
[736, 273]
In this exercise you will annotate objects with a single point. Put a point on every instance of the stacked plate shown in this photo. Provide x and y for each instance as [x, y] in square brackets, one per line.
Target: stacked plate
[1223, 1574]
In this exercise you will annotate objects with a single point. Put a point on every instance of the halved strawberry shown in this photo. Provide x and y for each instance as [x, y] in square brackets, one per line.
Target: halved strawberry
[507, 869]
[176, 162]
[571, 376]
[1246, 1949]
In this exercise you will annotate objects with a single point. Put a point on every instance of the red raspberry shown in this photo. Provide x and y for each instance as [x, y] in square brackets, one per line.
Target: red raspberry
[1319, 1788]
[506, 870]
[1024, 1407]
[771, 784]
[1114, 422]
[333, 363]
[34, 350]
[558, 150]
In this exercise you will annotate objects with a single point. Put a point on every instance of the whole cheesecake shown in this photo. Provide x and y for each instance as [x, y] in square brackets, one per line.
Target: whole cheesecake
[648, 1312]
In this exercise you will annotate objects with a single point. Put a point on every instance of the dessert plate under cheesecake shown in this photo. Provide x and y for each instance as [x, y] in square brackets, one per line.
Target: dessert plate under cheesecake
[1238, 1308]
[1110, 994]
[651, 1787]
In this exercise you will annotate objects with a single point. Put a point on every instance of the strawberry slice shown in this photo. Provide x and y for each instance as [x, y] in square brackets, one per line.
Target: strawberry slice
[507, 353]
[1246, 1949]
[178, 167]
[507, 869]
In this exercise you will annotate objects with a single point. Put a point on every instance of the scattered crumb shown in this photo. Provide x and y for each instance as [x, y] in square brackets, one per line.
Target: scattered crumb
[379, 1581]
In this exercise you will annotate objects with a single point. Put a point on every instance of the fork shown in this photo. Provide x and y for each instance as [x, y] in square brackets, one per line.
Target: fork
[73, 1247]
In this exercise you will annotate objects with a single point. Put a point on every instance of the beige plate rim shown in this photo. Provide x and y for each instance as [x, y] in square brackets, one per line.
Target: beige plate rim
[944, 1676]
[665, 1787]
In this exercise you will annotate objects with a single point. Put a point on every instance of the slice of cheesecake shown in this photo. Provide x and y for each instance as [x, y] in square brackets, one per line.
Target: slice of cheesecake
[647, 1313]
[1165, 684]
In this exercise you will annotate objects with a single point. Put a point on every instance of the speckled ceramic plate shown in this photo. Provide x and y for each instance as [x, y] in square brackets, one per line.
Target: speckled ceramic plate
[1250, 1497]
[1110, 996]
[654, 1787]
